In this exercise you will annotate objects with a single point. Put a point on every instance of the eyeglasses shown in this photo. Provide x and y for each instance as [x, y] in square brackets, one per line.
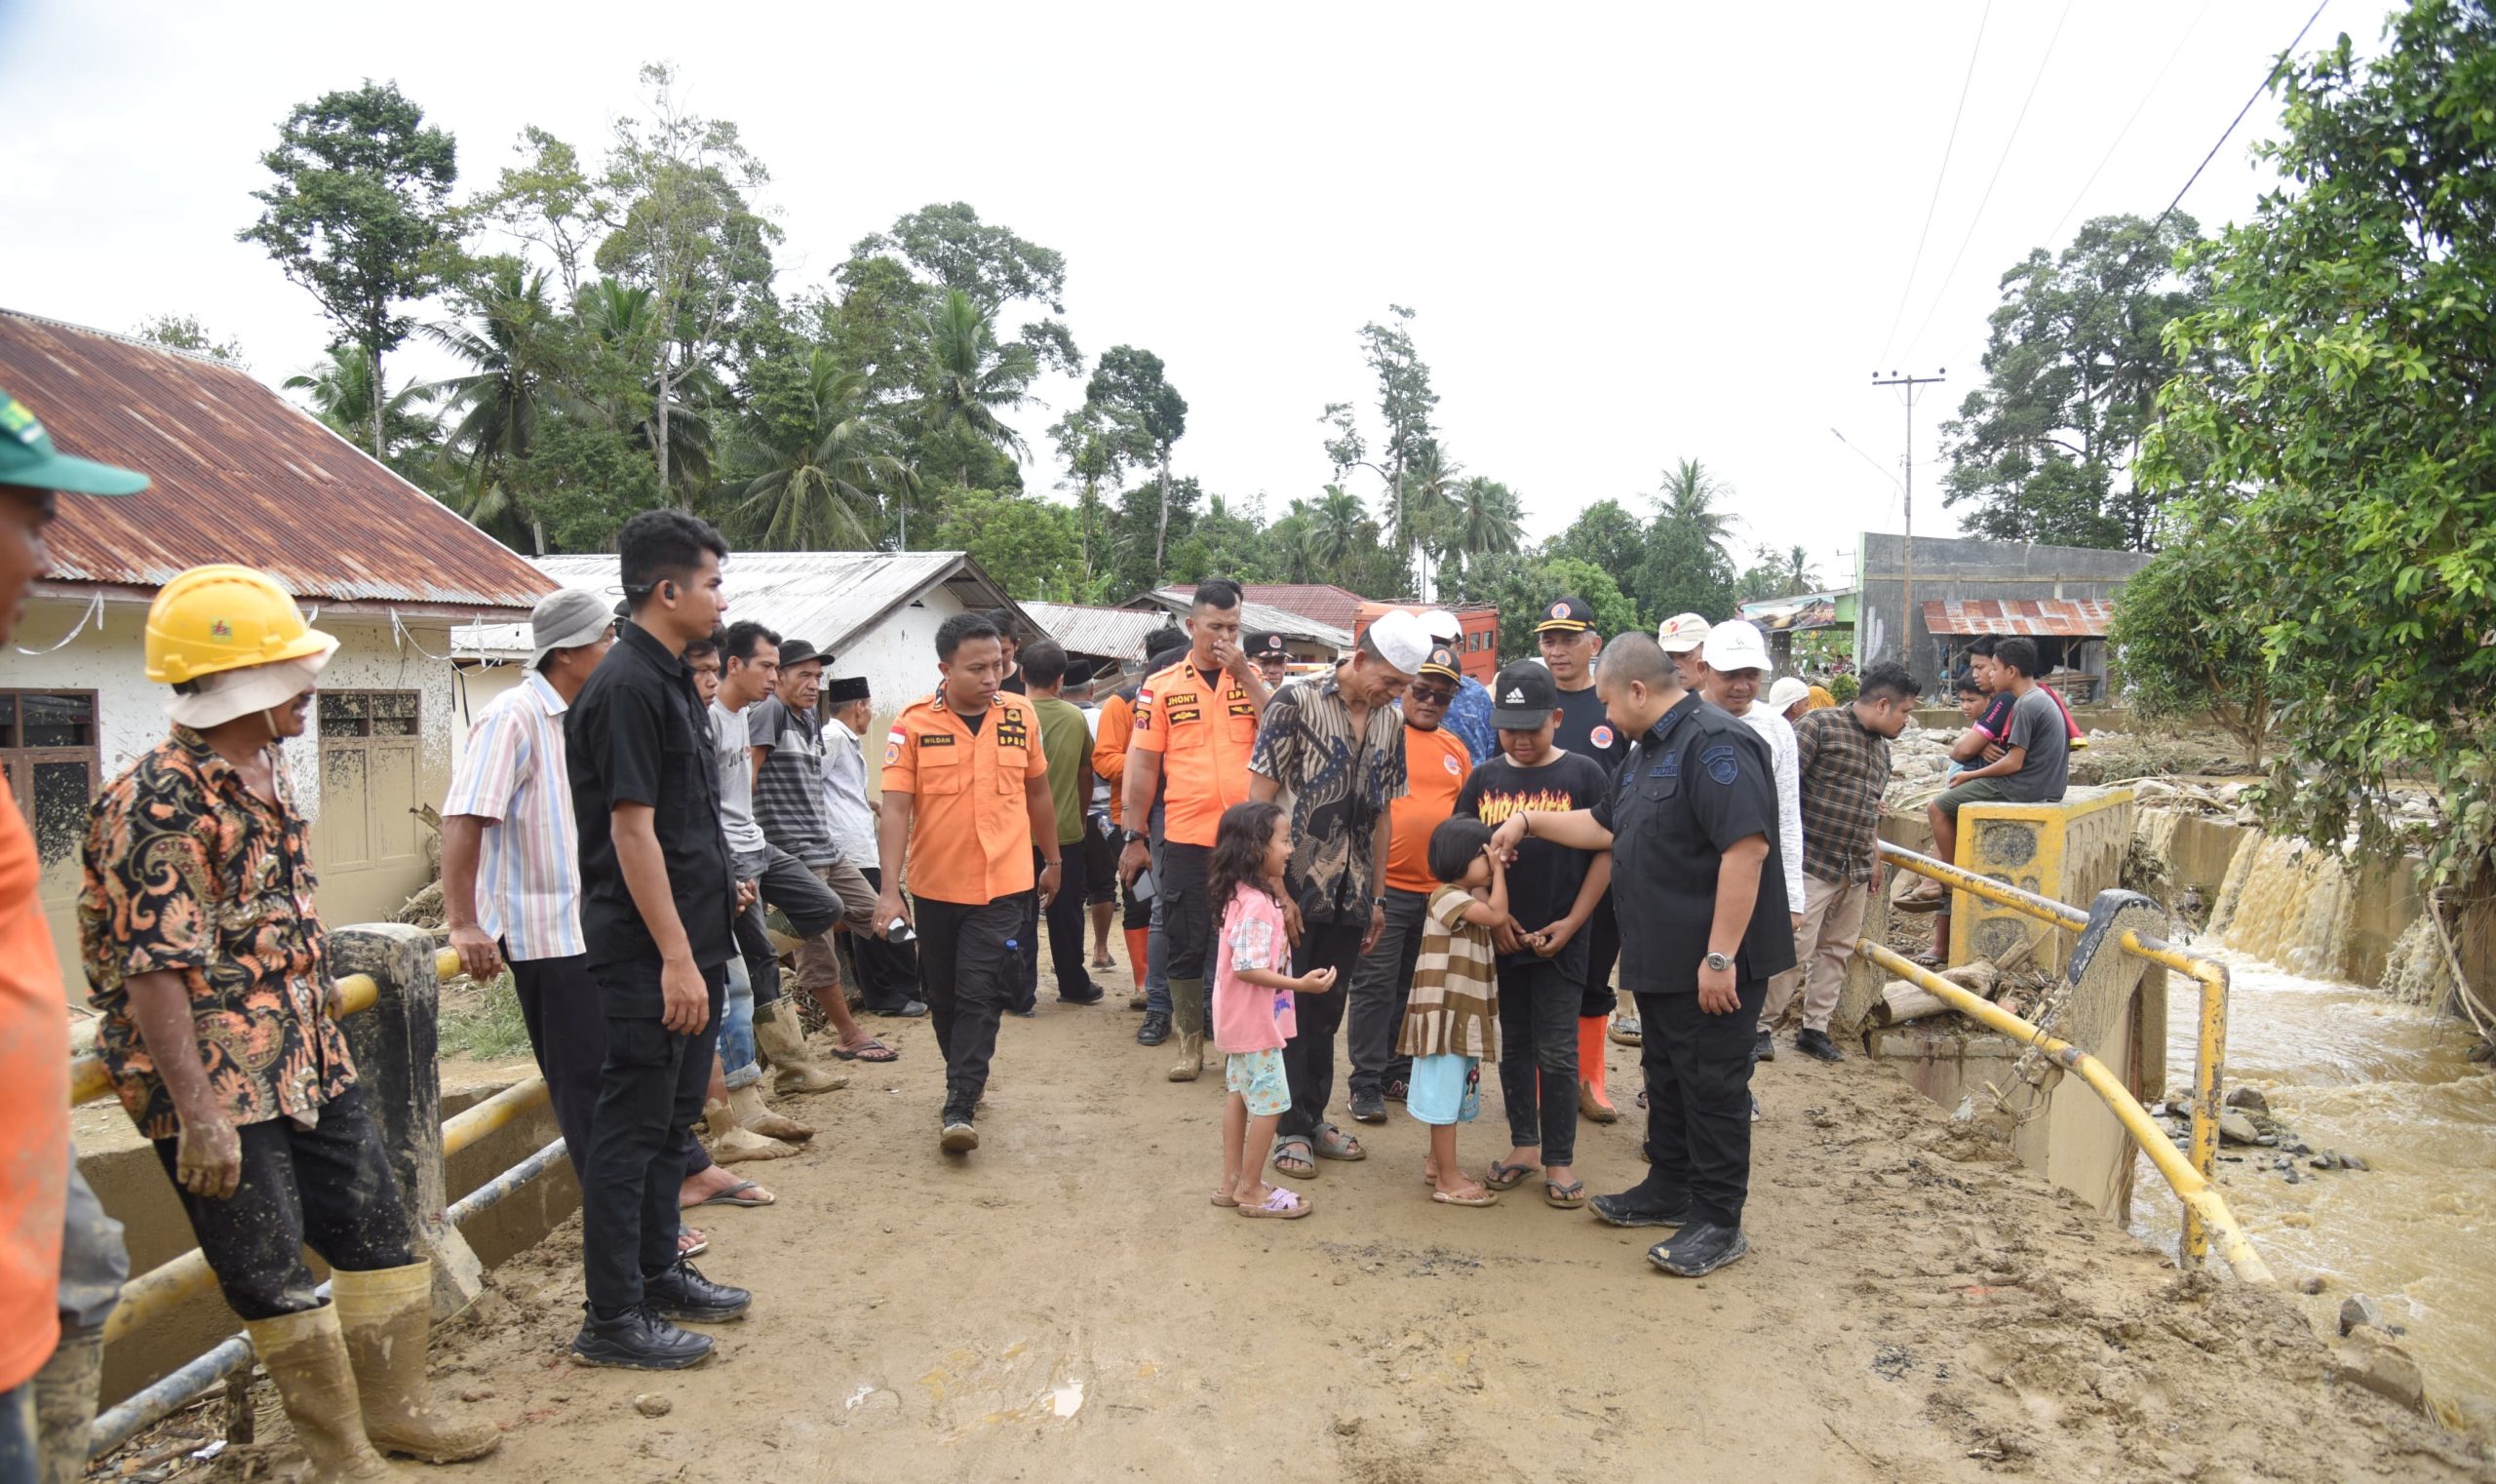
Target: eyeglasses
[1431, 695]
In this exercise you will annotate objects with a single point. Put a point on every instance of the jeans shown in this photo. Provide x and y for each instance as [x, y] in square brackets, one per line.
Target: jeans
[21, 1456]
[568, 1033]
[1308, 1062]
[650, 1093]
[1381, 985]
[1699, 1104]
[1067, 930]
[968, 970]
[330, 1186]
[887, 972]
[737, 1064]
[1538, 1001]
[93, 1261]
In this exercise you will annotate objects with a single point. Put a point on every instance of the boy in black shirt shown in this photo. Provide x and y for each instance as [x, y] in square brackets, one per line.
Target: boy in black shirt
[1552, 893]
[1569, 643]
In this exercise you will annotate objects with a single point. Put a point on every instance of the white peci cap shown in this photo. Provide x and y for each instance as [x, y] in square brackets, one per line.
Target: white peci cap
[1399, 640]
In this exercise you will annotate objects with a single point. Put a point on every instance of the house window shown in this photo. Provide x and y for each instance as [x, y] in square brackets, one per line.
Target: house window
[48, 751]
[369, 780]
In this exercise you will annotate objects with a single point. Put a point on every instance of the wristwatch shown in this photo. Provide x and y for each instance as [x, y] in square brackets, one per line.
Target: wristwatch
[1720, 961]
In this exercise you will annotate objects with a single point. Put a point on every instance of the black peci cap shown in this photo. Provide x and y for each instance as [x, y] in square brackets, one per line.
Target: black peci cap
[1569, 615]
[1268, 646]
[1523, 697]
[845, 689]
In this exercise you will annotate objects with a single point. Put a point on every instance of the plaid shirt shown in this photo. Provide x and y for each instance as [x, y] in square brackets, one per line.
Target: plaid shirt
[1845, 769]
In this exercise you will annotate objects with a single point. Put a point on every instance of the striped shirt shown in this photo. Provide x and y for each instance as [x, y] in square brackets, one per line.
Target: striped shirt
[528, 874]
[787, 788]
[1455, 1005]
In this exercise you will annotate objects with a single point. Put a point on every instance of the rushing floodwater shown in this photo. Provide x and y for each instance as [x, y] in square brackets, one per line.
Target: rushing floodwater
[2351, 1070]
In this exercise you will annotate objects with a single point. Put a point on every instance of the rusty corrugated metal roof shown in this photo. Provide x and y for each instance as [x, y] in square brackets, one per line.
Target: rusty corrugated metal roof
[240, 475]
[1323, 602]
[2056, 617]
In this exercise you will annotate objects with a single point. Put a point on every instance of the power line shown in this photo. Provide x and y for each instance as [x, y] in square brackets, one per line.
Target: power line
[1866, 457]
[2268, 79]
[2007, 145]
[2121, 134]
[1908, 289]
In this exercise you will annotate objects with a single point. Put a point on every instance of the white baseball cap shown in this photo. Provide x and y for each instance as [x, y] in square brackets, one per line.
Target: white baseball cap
[1736, 645]
[1441, 624]
[1782, 695]
[1401, 640]
[1681, 633]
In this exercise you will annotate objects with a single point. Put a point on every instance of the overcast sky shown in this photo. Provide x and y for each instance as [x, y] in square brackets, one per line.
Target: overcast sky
[1632, 234]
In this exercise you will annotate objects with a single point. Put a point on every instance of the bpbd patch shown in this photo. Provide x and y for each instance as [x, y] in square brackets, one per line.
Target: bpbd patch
[1721, 764]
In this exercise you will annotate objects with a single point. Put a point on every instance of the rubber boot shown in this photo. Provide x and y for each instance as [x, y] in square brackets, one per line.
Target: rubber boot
[306, 1356]
[1187, 1013]
[387, 1316]
[731, 1143]
[1592, 1100]
[795, 1072]
[1137, 939]
[755, 1115]
[65, 1405]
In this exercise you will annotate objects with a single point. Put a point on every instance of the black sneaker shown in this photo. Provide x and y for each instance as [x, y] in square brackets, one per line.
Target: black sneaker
[680, 1292]
[1700, 1250]
[961, 1136]
[1093, 998]
[910, 1011]
[1368, 1107]
[1640, 1208]
[638, 1340]
[1395, 1091]
[1816, 1043]
[1762, 1048]
[1154, 1030]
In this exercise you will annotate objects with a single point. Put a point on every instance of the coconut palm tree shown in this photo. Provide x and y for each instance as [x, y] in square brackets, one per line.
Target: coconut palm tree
[1431, 484]
[511, 351]
[1489, 518]
[339, 389]
[623, 321]
[1337, 528]
[975, 380]
[817, 487]
[1690, 500]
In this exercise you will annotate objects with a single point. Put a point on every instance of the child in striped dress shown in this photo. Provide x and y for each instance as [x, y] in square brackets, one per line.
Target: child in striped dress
[1452, 1021]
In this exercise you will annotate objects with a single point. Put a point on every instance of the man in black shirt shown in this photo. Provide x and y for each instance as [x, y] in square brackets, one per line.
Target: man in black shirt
[1569, 644]
[658, 908]
[1691, 820]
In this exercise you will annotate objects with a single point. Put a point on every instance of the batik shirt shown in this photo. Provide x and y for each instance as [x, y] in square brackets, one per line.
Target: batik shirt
[1340, 778]
[191, 873]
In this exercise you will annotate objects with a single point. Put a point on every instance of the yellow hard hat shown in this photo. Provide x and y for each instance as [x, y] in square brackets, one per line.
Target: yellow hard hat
[212, 619]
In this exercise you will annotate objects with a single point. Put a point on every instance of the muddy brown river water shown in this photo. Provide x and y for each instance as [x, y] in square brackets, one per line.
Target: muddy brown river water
[2353, 1072]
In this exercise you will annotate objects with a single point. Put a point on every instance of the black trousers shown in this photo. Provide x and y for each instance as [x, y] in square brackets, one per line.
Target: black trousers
[968, 970]
[1538, 1000]
[812, 908]
[1187, 911]
[1025, 944]
[1380, 986]
[559, 1002]
[1699, 1104]
[1603, 950]
[886, 972]
[650, 1093]
[1067, 945]
[1308, 1061]
[329, 1186]
[1100, 850]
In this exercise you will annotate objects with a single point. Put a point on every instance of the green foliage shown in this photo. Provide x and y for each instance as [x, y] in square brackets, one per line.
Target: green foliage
[1686, 567]
[2355, 444]
[339, 389]
[484, 1023]
[1139, 416]
[2189, 646]
[184, 332]
[1843, 688]
[1605, 534]
[1525, 587]
[1030, 546]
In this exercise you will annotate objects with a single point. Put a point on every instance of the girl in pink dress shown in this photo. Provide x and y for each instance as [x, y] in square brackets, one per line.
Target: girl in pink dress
[1252, 998]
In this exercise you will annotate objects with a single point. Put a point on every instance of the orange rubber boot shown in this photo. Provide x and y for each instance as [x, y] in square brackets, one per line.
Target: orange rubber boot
[1137, 939]
[1594, 1104]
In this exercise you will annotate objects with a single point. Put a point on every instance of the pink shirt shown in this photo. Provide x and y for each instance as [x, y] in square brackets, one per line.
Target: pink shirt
[1249, 1017]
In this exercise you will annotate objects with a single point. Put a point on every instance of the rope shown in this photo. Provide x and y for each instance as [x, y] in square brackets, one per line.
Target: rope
[405, 638]
[93, 613]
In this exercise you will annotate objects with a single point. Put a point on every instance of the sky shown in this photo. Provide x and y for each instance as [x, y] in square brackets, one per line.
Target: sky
[1631, 234]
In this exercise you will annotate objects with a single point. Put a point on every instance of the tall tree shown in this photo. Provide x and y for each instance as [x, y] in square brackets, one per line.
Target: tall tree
[2044, 449]
[1692, 500]
[1490, 521]
[976, 382]
[357, 215]
[987, 260]
[549, 201]
[340, 390]
[186, 333]
[1405, 405]
[1134, 392]
[513, 346]
[818, 469]
[1605, 535]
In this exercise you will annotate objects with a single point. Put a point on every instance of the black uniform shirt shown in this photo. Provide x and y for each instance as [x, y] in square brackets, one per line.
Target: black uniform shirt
[1698, 781]
[1584, 730]
[639, 735]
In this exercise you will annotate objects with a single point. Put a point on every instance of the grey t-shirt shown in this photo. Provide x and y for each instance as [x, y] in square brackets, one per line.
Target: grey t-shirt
[746, 847]
[787, 788]
[2044, 773]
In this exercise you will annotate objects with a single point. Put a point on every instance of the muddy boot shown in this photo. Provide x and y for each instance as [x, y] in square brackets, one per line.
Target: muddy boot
[793, 1068]
[65, 1404]
[731, 1143]
[1188, 1012]
[306, 1356]
[387, 1316]
[755, 1115]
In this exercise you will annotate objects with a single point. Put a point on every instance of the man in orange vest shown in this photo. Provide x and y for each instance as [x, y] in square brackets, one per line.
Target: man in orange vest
[1195, 727]
[966, 798]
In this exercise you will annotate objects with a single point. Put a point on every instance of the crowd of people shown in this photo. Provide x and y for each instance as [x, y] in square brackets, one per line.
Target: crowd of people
[1438, 873]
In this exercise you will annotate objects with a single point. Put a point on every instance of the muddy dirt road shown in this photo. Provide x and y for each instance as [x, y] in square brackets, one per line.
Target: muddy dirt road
[1065, 1304]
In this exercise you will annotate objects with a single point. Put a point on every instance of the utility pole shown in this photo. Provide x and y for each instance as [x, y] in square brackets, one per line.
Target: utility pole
[1906, 615]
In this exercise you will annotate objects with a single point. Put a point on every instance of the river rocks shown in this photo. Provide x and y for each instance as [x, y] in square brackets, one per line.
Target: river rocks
[2359, 1309]
[2236, 1128]
[2310, 1283]
[2371, 1358]
[2249, 1099]
[652, 1404]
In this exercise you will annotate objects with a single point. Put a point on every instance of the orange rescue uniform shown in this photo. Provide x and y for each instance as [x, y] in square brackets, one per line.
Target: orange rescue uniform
[970, 829]
[34, 1109]
[1436, 764]
[1110, 752]
[1205, 735]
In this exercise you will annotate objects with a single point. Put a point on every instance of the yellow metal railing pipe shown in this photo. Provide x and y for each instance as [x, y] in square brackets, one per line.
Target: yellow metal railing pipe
[1959, 877]
[497, 1112]
[2192, 1187]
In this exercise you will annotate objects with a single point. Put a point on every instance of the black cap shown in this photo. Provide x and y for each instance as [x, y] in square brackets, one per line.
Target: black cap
[845, 689]
[1569, 615]
[797, 652]
[1174, 645]
[1268, 646]
[1523, 697]
[1078, 672]
[1442, 661]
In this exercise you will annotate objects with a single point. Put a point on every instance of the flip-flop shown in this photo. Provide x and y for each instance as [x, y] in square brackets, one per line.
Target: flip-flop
[1486, 1198]
[735, 1195]
[1565, 1197]
[698, 1244]
[1508, 1177]
[1917, 903]
[1282, 1206]
[1301, 1164]
[1346, 1147]
[867, 1051]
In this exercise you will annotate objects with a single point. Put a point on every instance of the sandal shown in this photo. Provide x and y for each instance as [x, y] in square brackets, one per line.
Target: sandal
[1292, 1157]
[1486, 1198]
[1919, 901]
[1335, 1143]
[868, 1051]
[745, 1192]
[1565, 1197]
[690, 1243]
[1279, 1203]
[1225, 1198]
[1508, 1177]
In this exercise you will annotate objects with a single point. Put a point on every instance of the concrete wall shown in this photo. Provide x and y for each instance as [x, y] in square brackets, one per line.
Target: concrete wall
[1962, 570]
[2069, 852]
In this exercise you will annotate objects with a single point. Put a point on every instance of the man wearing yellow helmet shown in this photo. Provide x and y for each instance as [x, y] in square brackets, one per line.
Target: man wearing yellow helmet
[207, 957]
